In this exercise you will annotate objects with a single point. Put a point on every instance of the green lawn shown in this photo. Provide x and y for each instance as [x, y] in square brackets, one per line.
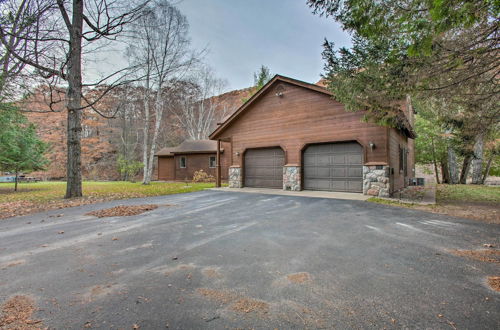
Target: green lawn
[467, 193]
[468, 201]
[35, 197]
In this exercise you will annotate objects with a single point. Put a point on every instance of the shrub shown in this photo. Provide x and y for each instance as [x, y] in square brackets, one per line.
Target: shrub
[202, 176]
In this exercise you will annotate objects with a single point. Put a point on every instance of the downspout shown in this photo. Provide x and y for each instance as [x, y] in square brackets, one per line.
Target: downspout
[218, 167]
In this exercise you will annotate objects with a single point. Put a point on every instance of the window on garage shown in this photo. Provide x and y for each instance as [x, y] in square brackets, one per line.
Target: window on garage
[182, 162]
[212, 162]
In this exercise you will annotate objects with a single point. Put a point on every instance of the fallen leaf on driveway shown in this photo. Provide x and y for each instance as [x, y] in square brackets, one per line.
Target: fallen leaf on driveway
[61, 232]
[17, 312]
[122, 211]
[494, 282]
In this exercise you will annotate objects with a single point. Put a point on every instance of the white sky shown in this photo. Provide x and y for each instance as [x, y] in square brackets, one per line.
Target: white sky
[242, 35]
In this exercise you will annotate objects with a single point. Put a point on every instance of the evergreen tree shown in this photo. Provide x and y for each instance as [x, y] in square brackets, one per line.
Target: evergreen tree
[20, 148]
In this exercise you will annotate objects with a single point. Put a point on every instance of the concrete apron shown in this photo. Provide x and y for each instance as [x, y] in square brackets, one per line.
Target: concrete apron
[302, 193]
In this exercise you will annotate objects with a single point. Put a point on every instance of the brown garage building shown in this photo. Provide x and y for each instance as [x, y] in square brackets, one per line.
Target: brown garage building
[293, 135]
[181, 162]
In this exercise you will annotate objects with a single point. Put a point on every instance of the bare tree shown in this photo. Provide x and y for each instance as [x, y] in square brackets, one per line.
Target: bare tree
[17, 24]
[54, 46]
[197, 110]
[160, 48]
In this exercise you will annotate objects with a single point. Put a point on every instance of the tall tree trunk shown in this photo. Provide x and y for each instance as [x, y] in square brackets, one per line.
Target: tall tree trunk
[452, 165]
[444, 171]
[465, 169]
[74, 95]
[488, 167]
[17, 180]
[158, 118]
[434, 161]
[477, 161]
[145, 129]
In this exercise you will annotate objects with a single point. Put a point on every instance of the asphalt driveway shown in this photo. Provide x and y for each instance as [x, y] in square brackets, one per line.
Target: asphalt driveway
[219, 260]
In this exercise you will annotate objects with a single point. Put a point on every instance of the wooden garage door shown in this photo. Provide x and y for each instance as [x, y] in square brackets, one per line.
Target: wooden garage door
[264, 168]
[334, 167]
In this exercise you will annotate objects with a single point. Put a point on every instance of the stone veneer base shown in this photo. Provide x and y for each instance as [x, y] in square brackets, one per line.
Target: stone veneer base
[291, 178]
[235, 179]
[376, 181]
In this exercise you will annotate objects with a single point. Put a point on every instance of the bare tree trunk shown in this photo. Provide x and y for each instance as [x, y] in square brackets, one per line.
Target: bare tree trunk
[158, 118]
[145, 128]
[477, 161]
[434, 161]
[444, 171]
[145, 141]
[17, 180]
[465, 169]
[452, 165]
[74, 95]
[488, 167]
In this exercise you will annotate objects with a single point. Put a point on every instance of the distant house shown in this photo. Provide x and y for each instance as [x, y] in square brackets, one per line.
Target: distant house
[181, 162]
[293, 135]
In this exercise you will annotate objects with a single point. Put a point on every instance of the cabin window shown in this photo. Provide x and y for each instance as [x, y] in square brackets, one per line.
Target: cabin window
[405, 162]
[401, 159]
[212, 162]
[182, 162]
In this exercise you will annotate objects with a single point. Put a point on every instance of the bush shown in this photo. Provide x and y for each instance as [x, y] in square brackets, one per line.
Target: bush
[202, 176]
[128, 168]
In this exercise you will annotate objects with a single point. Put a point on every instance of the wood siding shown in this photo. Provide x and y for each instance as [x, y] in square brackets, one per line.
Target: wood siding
[166, 168]
[397, 141]
[169, 167]
[298, 118]
[194, 162]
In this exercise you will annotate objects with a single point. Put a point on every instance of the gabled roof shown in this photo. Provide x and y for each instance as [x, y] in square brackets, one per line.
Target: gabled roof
[403, 123]
[277, 77]
[190, 147]
[165, 151]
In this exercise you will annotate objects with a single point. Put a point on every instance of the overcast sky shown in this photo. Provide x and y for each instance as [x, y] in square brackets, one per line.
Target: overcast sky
[241, 35]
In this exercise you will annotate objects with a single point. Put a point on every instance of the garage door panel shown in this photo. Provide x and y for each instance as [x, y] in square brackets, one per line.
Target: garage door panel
[338, 159]
[322, 172]
[337, 185]
[334, 167]
[337, 172]
[354, 172]
[355, 186]
[264, 168]
[354, 159]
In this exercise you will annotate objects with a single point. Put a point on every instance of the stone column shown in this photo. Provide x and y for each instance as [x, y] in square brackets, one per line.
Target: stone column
[291, 178]
[376, 181]
[235, 179]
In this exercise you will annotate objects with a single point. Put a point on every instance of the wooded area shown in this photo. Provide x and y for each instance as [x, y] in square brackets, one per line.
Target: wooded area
[161, 96]
[107, 123]
[444, 55]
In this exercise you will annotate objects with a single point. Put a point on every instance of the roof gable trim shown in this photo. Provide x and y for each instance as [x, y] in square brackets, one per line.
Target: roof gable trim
[254, 97]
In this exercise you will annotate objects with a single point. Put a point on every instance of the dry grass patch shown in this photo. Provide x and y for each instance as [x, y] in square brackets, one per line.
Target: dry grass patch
[494, 282]
[224, 297]
[299, 277]
[17, 313]
[122, 211]
[212, 273]
[481, 255]
[246, 305]
[13, 264]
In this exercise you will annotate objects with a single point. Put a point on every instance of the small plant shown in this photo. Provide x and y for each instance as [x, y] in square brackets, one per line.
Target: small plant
[202, 176]
[128, 168]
